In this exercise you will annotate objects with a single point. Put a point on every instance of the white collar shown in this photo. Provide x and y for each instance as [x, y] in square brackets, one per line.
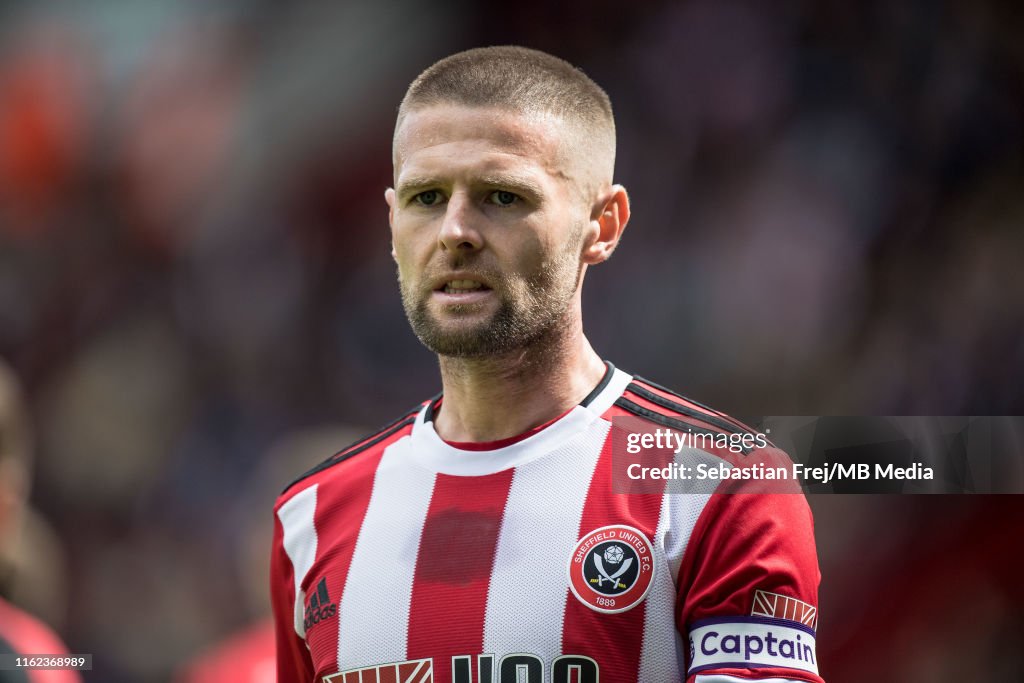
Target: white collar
[431, 451]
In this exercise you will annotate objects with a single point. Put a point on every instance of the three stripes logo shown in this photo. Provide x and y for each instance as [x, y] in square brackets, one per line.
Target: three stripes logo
[768, 604]
[318, 606]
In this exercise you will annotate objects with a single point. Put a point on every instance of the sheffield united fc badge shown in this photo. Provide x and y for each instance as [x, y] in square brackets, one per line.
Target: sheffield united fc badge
[611, 568]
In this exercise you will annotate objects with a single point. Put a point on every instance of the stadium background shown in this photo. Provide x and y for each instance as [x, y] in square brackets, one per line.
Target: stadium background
[194, 269]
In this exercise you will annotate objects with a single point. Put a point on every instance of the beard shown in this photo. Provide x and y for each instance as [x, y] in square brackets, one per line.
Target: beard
[531, 306]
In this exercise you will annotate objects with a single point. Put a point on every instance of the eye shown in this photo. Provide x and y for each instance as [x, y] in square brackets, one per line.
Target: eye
[504, 197]
[428, 198]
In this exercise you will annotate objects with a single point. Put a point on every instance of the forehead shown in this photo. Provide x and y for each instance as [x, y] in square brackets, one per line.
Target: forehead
[446, 137]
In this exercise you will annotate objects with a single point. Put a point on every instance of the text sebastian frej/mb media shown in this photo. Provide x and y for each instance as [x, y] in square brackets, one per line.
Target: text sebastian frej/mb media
[666, 439]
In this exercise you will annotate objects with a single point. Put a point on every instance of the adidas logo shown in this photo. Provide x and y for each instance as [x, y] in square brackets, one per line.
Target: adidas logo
[319, 607]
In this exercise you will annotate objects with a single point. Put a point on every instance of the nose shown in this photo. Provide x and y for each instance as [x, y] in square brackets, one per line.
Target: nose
[458, 233]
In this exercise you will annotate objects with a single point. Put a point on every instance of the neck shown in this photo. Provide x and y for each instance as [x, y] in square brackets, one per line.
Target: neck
[498, 397]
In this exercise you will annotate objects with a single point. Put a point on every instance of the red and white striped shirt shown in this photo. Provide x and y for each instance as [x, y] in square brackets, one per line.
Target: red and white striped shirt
[406, 558]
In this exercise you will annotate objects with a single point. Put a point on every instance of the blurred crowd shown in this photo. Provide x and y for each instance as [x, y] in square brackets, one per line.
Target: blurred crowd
[196, 289]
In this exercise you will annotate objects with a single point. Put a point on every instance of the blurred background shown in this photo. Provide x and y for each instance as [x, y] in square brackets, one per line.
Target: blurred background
[197, 295]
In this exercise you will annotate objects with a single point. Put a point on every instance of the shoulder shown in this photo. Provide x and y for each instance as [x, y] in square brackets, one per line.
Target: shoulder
[659, 405]
[647, 407]
[719, 447]
[361, 449]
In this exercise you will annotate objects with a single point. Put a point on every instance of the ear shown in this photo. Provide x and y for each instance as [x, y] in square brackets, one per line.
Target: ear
[389, 197]
[611, 213]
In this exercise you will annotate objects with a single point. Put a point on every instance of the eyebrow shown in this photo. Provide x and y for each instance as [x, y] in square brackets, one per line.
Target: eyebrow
[514, 183]
[518, 184]
[416, 184]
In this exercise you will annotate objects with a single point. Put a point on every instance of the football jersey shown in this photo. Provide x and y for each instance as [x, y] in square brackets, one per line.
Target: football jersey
[407, 558]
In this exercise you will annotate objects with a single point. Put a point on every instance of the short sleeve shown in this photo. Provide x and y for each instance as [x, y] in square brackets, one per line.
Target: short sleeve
[748, 590]
[293, 661]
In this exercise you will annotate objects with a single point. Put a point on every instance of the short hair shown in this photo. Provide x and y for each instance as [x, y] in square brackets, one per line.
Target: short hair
[520, 80]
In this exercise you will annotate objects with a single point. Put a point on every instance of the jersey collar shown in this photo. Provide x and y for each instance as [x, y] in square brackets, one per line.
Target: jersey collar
[432, 452]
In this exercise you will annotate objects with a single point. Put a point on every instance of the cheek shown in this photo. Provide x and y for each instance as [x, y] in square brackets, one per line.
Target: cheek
[404, 261]
[524, 253]
[406, 242]
[549, 242]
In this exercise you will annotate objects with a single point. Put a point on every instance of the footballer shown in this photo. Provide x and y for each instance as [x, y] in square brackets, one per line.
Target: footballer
[478, 538]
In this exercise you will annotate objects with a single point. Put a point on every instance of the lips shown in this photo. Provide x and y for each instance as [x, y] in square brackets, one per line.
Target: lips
[460, 283]
[463, 286]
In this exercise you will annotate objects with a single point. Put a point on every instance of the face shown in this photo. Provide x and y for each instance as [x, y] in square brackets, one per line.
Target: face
[487, 229]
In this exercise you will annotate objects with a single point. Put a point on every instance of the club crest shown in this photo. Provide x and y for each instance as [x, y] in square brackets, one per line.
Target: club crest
[611, 568]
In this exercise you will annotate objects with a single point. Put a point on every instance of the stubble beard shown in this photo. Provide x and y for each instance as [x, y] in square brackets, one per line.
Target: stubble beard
[530, 310]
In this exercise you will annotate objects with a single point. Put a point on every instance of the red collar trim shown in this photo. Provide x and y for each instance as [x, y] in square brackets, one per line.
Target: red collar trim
[502, 443]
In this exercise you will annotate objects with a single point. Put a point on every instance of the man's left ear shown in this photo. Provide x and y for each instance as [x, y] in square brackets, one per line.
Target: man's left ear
[608, 221]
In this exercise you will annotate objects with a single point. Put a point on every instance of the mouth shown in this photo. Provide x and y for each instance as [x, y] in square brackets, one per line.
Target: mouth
[462, 286]
[461, 289]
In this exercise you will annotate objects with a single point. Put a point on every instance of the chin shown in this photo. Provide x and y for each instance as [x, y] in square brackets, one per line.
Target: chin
[462, 341]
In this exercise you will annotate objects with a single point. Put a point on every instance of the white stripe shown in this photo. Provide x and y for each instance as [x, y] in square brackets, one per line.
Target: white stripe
[416, 672]
[529, 586]
[603, 401]
[300, 541]
[687, 502]
[659, 656]
[373, 617]
[433, 453]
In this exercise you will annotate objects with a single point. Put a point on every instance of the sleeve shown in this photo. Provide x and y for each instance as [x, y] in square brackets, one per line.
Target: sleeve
[293, 662]
[748, 590]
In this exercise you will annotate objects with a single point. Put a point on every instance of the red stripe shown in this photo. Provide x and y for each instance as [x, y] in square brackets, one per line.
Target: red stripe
[453, 569]
[611, 639]
[341, 506]
[743, 543]
[293, 663]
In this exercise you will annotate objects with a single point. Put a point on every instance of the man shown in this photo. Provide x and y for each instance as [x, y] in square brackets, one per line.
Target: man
[479, 538]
